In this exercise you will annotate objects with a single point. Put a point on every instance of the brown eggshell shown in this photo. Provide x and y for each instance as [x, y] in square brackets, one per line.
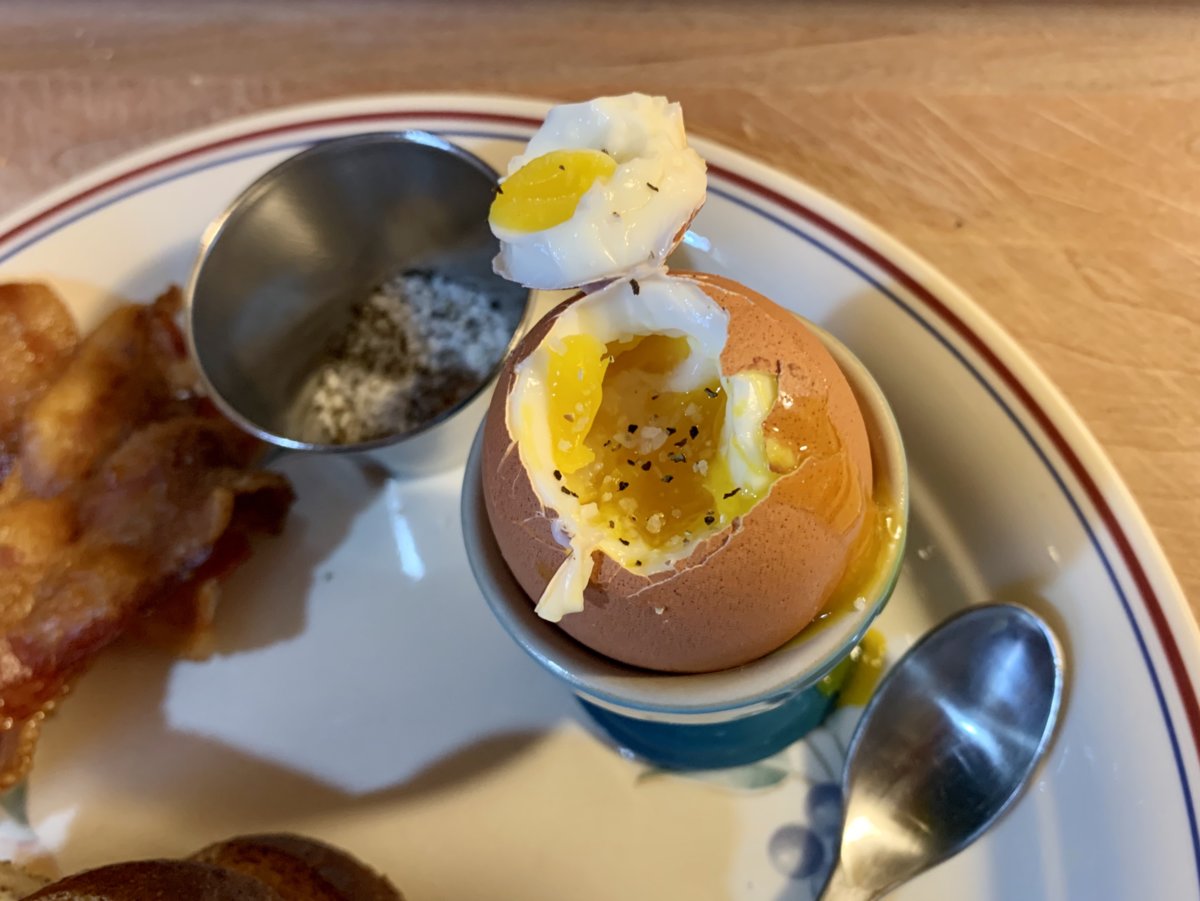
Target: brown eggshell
[743, 592]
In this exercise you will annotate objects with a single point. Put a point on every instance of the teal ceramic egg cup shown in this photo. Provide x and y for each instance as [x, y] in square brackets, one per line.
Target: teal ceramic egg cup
[706, 720]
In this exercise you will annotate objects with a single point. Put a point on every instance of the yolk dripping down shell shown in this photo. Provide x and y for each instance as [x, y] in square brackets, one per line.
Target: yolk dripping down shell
[760, 561]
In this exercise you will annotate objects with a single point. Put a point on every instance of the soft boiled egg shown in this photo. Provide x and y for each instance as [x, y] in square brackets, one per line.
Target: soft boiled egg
[677, 472]
[604, 189]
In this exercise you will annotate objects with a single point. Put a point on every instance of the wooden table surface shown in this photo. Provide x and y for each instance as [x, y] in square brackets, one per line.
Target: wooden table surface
[1045, 157]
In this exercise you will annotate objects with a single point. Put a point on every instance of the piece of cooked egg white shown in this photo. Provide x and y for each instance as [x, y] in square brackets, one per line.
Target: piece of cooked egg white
[604, 189]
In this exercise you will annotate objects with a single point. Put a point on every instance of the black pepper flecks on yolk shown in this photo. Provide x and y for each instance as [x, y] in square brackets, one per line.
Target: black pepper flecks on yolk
[546, 190]
[647, 458]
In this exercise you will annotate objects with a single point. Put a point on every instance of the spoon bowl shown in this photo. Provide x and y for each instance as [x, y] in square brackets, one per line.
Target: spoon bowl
[946, 745]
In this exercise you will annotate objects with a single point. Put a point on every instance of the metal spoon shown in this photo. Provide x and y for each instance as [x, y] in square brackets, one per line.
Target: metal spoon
[946, 745]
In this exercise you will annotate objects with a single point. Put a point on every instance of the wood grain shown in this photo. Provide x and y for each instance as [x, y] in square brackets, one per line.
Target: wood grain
[1045, 157]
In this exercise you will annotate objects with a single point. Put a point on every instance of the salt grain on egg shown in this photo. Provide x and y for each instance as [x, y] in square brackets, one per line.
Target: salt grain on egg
[651, 439]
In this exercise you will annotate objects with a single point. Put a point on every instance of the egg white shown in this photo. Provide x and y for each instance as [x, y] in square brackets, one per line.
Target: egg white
[664, 305]
[625, 226]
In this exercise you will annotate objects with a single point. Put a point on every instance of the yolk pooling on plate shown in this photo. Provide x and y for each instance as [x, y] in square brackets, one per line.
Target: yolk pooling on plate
[643, 461]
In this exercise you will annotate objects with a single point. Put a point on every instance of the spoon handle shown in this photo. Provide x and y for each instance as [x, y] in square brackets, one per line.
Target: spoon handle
[840, 888]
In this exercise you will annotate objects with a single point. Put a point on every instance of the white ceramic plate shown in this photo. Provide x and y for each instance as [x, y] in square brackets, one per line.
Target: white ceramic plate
[363, 694]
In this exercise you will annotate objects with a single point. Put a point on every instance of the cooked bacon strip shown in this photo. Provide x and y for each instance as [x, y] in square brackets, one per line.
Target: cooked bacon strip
[37, 336]
[122, 377]
[156, 511]
[129, 500]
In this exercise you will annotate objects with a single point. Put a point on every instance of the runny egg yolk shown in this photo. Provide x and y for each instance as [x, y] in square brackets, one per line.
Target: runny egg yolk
[546, 190]
[645, 463]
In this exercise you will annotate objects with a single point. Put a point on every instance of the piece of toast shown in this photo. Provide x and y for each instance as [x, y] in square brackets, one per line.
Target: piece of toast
[275, 867]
